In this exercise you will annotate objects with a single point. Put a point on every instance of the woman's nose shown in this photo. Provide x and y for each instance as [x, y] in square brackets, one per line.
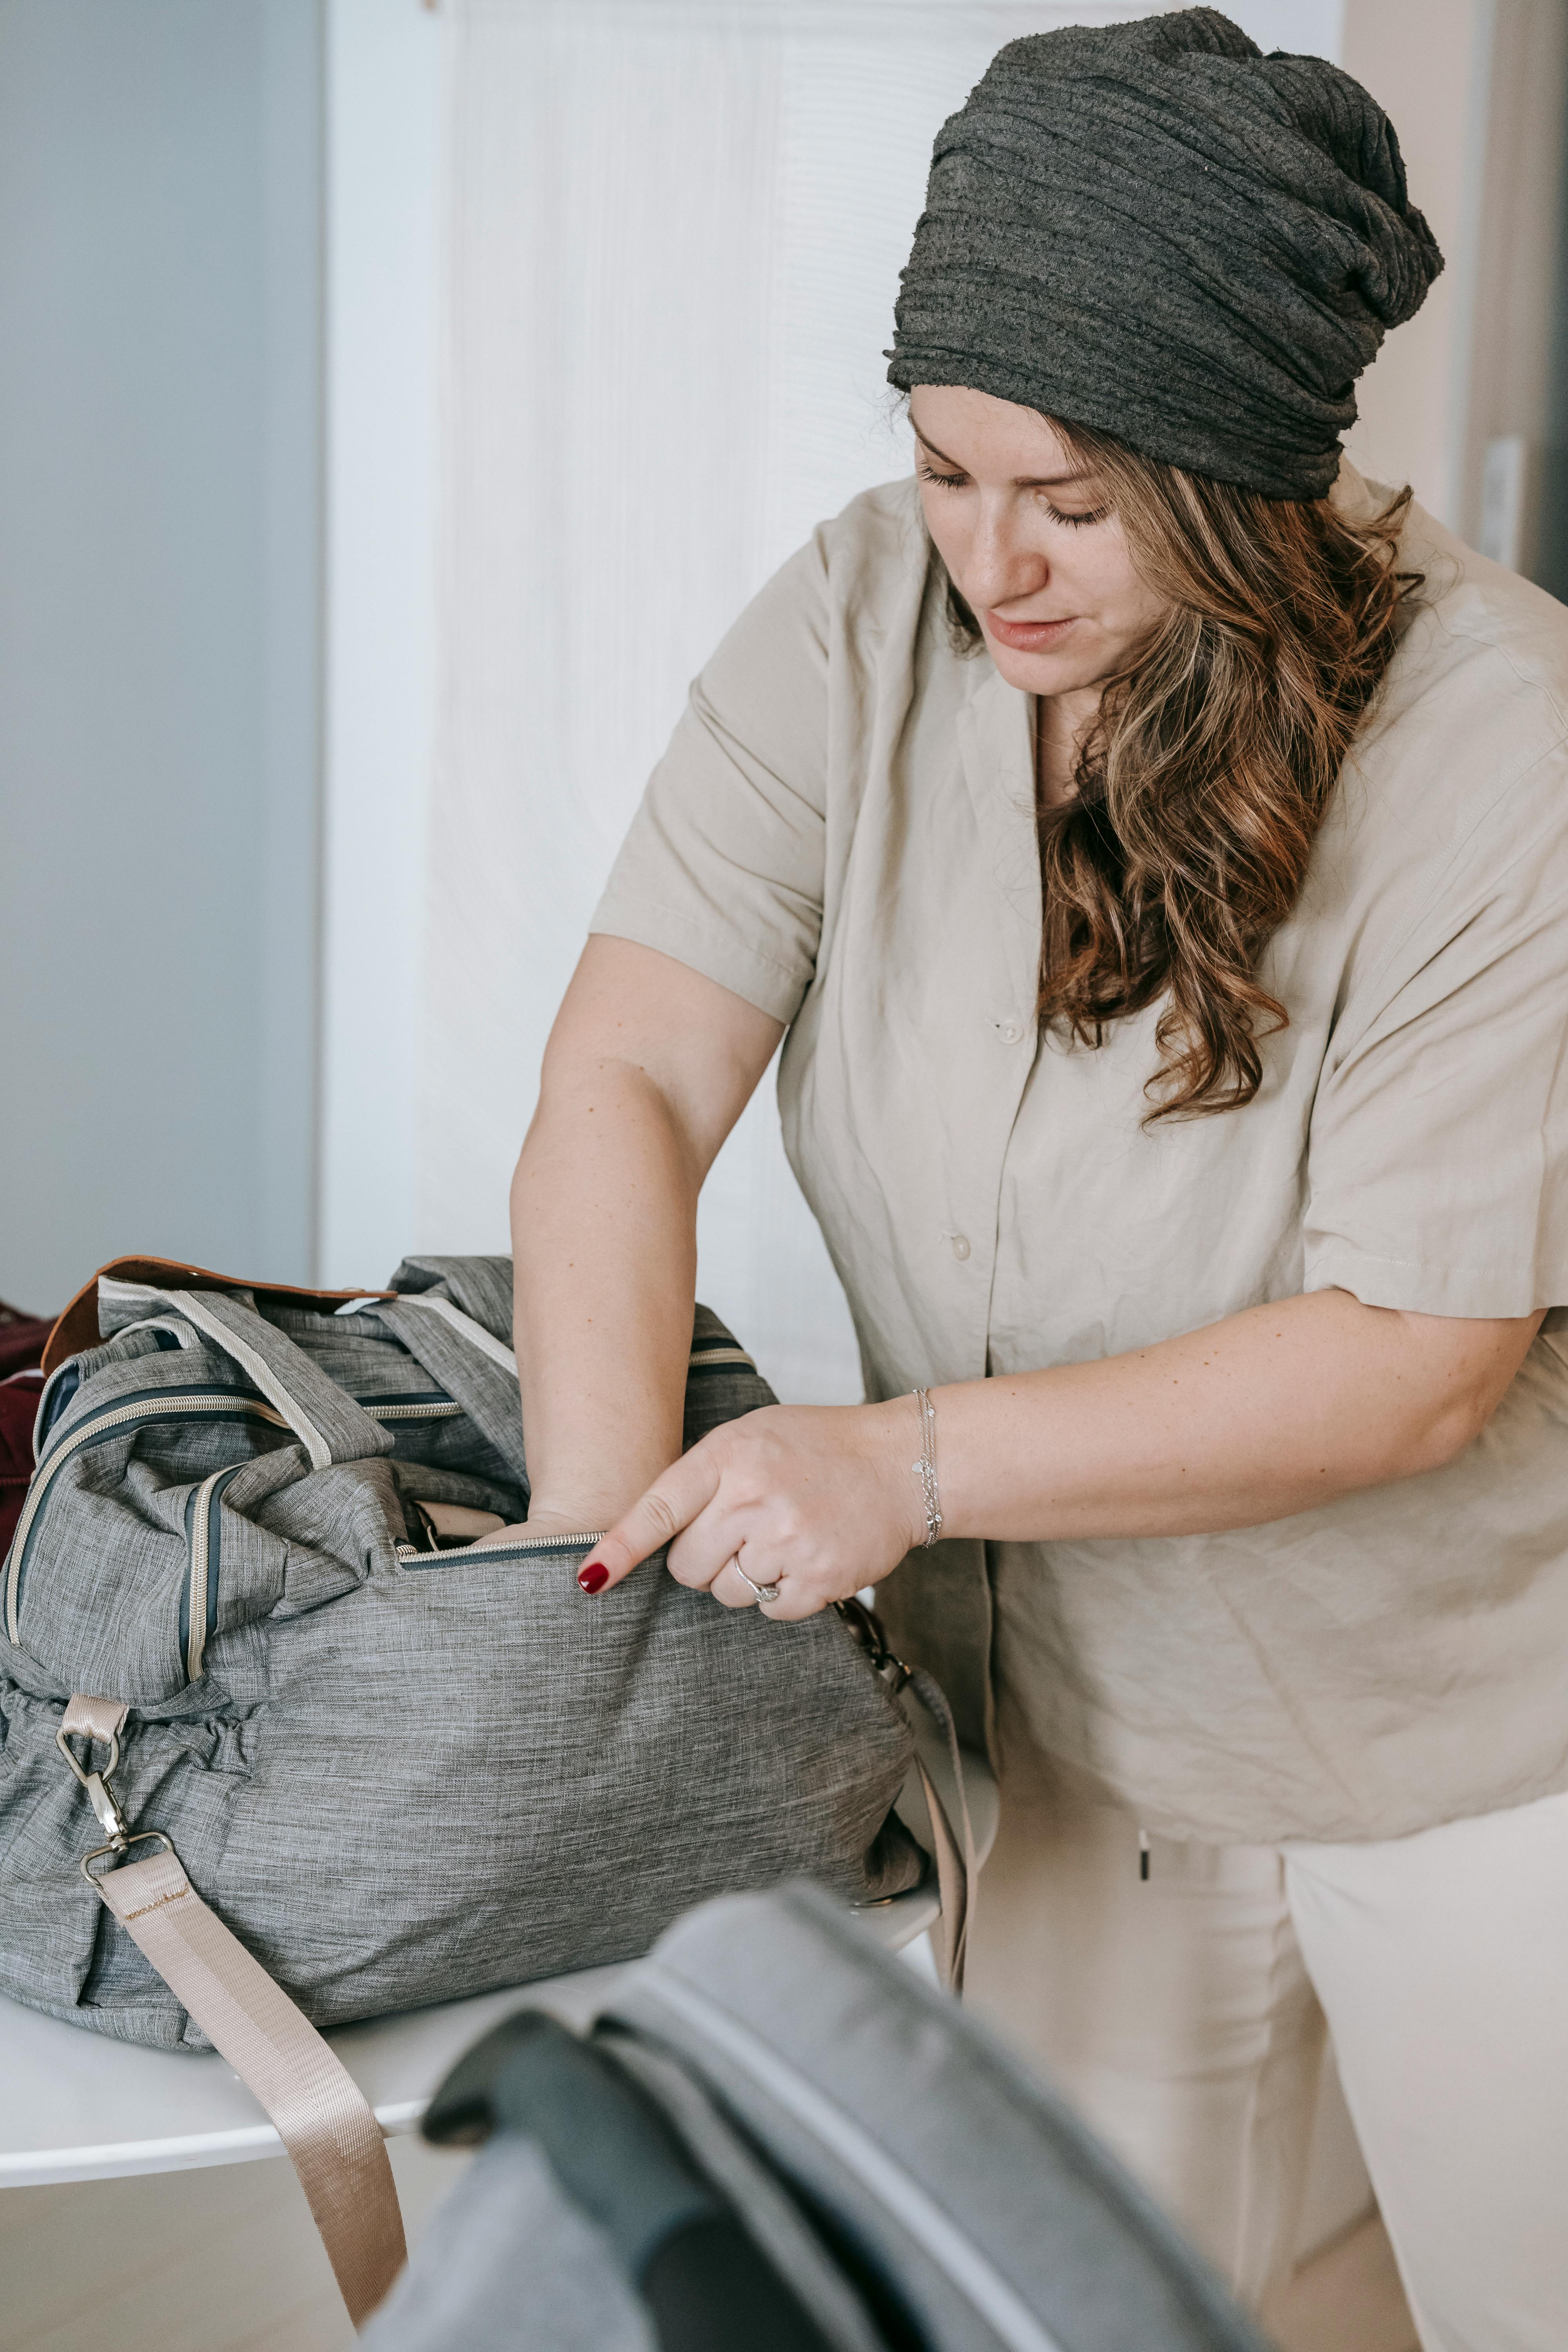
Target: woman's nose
[1001, 567]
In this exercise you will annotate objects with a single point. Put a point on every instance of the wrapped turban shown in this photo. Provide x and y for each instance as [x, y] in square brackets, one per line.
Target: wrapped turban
[1153, 229]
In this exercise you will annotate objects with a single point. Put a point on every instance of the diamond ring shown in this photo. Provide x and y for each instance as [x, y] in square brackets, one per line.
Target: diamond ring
[762, 1591]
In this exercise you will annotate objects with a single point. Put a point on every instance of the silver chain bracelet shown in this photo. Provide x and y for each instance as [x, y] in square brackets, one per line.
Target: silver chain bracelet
[925, 1468]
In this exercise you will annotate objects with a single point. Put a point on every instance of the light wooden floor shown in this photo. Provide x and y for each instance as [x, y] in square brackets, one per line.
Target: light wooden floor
[226, 2261]
[219, 2260]
[1348, 2299]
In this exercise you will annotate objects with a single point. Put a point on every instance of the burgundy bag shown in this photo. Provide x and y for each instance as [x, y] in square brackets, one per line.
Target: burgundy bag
[21, 1338]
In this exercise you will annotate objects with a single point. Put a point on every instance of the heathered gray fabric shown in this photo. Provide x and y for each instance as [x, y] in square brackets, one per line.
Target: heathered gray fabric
[400, 1778]
[884, 2104]
[770, 2215]
[887, 2155]
[509, 2260]
[1155, 229]
[480, 1287]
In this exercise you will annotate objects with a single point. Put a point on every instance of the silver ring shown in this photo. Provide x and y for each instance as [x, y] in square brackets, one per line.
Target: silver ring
[762, 1591]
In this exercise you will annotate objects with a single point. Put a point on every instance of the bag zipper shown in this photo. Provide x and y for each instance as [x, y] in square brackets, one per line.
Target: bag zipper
[435, 1407]
[717, 1352]
[410, 1554]
[204, 1525]
[166, 1404]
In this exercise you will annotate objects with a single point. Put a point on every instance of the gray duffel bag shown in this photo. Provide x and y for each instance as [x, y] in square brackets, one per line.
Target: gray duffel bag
[329, 1755]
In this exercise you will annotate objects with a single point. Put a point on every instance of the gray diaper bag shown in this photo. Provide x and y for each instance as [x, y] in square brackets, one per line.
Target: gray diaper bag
[280, 1747]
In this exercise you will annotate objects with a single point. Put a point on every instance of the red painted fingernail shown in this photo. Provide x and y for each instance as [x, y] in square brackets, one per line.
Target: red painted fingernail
[592, 1576]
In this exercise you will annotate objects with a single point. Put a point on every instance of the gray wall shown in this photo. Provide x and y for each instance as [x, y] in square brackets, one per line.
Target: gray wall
[160, 308]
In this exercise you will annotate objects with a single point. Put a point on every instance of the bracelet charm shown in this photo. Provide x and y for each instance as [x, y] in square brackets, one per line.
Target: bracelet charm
[925, 1468]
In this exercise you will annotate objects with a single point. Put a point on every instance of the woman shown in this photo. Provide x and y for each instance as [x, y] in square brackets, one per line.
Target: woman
[1150, 842]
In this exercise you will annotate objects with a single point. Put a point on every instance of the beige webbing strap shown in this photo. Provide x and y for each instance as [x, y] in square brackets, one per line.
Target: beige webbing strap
[949, 1936]
[323, 2117]
[97, 1719]
[957, 1870]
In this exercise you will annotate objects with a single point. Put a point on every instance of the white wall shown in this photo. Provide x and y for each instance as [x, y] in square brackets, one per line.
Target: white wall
[159, 479]
[383, 90]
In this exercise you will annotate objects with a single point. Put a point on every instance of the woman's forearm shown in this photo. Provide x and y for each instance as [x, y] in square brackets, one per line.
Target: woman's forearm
[603, 1216]
[648, 1066]
[1269, 1412]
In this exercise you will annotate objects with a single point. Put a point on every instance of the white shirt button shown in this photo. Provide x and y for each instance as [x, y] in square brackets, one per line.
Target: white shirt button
[1009, 1032]
[960, 1247]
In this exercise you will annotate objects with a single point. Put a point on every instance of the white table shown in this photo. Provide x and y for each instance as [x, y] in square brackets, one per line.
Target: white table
[75, 2105]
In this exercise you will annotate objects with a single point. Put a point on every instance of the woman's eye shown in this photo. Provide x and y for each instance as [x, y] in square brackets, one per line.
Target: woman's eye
[948, 482]
[1089, 514]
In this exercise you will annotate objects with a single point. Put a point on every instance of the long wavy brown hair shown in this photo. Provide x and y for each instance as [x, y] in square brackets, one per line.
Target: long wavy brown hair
[1201, 787]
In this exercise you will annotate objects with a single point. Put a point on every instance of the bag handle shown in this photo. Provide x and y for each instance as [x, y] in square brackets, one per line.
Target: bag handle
[497, 1350]
[329, 1424]
[77, 1328]
[939, 1766]
[323, 2116]
[472, 1364]
[940, 1760]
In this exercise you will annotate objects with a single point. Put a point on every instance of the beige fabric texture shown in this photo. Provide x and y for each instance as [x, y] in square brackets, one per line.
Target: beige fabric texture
[323, 2117]
[842, 832]
[1184, 2017]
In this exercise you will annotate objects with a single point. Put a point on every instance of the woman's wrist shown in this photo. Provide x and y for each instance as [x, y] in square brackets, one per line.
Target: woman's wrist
[892, 1436]
[581, 1510]
[594, 1485]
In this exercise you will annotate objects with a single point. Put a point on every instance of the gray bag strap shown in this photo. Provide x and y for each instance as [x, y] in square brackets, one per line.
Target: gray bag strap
[495, 1350]
[475, 1368]
[329, 1424]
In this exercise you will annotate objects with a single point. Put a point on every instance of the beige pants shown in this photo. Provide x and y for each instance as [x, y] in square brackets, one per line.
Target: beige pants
[1184, 2016]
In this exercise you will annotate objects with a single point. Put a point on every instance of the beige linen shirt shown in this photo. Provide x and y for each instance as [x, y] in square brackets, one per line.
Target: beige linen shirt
[843, 833]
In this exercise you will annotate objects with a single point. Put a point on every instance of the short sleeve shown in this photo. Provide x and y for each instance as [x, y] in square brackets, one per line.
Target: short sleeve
[1438, 1162]
[723, 867]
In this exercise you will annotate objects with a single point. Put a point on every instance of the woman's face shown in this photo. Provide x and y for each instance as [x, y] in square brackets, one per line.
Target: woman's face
[1031, 544]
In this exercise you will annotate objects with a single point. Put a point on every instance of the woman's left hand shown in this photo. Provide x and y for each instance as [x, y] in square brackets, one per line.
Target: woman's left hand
[816, 1499]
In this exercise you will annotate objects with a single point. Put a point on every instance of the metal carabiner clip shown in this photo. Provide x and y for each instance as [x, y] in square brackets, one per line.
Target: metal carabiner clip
[99, 1795]
[122, 1845]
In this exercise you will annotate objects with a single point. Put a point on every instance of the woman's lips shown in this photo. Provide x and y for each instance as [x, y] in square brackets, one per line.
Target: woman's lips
[1028, 637]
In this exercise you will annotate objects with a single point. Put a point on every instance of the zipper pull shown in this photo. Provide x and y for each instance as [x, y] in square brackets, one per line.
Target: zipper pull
[1144, 1853]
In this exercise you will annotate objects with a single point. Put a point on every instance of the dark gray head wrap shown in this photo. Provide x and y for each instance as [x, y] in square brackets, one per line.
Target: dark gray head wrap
[1155, 229]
